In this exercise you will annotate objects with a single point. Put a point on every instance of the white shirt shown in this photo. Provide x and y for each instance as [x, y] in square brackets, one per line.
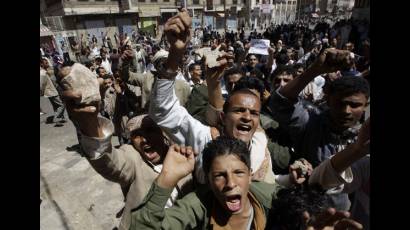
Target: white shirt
[174, 119]
[107, 65]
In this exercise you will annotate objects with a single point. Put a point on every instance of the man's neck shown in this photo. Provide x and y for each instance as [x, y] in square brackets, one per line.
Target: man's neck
[195, 80]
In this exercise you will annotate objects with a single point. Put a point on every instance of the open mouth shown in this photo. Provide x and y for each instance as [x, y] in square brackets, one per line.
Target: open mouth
[148, 149]
[233, 202]
[150, 152]
[243, 129]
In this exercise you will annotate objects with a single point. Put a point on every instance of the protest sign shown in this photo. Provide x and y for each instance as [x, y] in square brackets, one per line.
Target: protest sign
[259, 46]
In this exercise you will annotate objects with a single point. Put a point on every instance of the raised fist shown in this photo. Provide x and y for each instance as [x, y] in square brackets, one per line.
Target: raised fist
[177, 31]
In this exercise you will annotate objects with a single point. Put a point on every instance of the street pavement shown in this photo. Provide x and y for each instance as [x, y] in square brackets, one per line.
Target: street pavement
[73, 196]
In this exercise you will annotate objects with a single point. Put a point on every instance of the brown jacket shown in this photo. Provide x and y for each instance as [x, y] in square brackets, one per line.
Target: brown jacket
[126, 167]
[121, 107]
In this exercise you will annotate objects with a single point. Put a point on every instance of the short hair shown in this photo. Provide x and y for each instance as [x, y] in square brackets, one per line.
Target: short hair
[256, 55]
[249, 83]
[98, 59]
[191, 67]
[98, 69]
[256, 72]
[224, 145]
[283, 69]
[296, 66]
[349, 85]
[288, 207]
[282, 58]
[232, 71]
[243, 91]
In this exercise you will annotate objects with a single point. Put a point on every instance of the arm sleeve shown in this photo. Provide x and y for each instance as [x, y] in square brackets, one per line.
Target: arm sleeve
[288, 113]
[212, 115]
[361, 174]
[326, 176]
[117, 165]
[187, 213]
[166, 111]
[175, 120]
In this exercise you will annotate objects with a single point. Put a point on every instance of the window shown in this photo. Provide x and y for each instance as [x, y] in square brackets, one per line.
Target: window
[195, 2]
[99, 0]
[141, 0]
[153, 0]
[166, 0]
[234, 1]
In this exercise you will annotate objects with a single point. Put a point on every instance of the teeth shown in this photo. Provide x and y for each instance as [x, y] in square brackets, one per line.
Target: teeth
[244, 128]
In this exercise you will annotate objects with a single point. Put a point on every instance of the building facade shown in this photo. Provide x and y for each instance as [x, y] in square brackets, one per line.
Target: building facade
[70, 19]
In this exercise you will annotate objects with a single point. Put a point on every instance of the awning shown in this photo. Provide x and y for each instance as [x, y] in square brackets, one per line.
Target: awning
[44, 31]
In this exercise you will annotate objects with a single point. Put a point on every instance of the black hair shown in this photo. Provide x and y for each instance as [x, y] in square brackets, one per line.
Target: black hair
[191, 67]
[348, 85]
[256, 55]
[67, 63]
[232, 71]
[224, 145]
[282, 58]
[257, 73]
[249, 83]
[283, 69]
[243, 91]
[98, 59]
[287, 209]
[98, 69]
[296, 66]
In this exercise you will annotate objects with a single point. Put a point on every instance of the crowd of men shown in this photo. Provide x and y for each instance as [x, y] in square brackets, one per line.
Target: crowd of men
[215, 137]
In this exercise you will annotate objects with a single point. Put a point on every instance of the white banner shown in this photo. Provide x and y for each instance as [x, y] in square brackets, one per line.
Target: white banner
[259, 46]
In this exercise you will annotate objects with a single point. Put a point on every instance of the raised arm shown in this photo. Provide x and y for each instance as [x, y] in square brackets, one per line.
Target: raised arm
[187, 213]
[214, 73]
[114, 165]
[165, 108]
[336, 171]
[328, 61]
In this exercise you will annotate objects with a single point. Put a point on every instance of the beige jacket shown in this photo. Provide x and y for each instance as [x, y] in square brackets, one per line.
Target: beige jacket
[126, 167]
[47, 88]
